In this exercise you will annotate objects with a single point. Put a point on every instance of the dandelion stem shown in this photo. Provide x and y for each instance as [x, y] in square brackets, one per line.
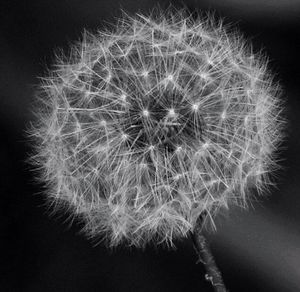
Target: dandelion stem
[213, 274]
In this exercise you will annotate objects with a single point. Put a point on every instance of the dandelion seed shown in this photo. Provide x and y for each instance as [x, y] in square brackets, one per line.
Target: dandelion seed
[171, 113]
[145, 74]
[223, 115]
[123, 97]
[145, 113]
[178, 149]
[103, 123]
[124, 137]
[170, 77]
[195, 107]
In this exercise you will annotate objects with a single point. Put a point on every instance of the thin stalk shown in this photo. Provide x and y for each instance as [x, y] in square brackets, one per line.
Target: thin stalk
[201, 246]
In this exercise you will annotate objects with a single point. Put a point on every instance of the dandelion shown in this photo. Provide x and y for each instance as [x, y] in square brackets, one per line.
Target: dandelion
[148, 126]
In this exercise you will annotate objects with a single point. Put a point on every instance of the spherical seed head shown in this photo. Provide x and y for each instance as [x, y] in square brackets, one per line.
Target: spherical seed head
[144, 128]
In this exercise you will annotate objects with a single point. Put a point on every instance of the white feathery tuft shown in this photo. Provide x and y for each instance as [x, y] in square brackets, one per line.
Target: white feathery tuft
[145, 127]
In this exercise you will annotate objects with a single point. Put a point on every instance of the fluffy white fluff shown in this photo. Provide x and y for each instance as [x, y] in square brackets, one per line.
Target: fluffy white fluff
[144, 127]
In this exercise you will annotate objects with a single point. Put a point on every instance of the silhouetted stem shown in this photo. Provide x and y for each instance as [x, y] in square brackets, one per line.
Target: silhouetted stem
[213, 274]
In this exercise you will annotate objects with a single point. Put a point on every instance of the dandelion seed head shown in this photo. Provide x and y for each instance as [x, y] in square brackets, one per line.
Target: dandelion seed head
[147, 126]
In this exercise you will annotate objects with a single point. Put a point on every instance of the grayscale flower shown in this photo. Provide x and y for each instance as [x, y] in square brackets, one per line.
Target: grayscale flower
[144, 127]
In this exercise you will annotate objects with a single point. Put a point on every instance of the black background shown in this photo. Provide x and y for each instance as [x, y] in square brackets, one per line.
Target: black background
[257, 250]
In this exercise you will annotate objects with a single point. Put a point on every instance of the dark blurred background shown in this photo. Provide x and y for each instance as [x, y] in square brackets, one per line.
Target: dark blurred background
[256, 250]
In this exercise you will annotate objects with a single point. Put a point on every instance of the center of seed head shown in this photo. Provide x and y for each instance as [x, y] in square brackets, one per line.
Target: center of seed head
[161, 121]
